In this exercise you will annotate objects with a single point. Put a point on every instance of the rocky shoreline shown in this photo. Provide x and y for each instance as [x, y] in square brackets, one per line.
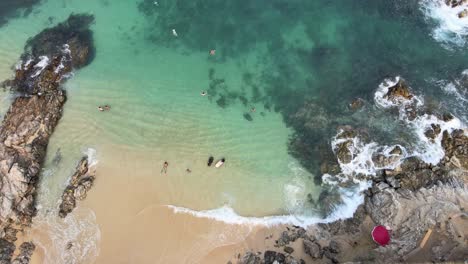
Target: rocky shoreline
[79, 185]
[415, 199]
[48, 59]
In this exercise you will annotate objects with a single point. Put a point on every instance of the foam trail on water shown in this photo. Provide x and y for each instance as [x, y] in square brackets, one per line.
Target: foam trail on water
[227, 215]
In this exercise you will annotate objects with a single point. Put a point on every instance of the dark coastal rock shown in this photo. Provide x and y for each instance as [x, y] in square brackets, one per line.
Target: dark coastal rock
[26, 251]
[290, 235]
[34, 114]
[356, 104]
[52, 54]
[399, 91]
[271, 257]
[80, 183]
[313, 249]
[250, 258]
[456, 149]
[288, 250]
[6, 251]
[432, 132]
[455, 3]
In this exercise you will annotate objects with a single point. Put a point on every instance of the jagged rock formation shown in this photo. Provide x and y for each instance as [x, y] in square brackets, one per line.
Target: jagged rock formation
[80, 183]
[33, 115]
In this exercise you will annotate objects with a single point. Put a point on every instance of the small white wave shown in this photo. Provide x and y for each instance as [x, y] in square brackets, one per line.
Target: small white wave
[362, 154]
[450, 28]
[431, 150]
[74, 239]
[451, 89]
[227, 215]
[44, 61]
[92, 156]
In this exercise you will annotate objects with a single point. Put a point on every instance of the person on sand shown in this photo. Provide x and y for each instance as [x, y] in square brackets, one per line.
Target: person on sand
[100, 108]
[188, 170]
[164, 168]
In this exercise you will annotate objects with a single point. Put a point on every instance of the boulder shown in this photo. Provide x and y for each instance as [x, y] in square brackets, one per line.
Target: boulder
[313, 249]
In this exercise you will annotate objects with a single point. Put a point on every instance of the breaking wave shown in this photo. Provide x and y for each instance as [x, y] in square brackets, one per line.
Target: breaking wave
[450, 29]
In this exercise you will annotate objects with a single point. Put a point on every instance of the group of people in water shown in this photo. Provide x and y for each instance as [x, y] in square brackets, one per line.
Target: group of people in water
[104, 108]
[218, 164]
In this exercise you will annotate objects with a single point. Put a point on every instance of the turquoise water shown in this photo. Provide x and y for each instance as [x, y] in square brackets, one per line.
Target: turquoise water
[297, 63]
[282, 58]
[274, 56]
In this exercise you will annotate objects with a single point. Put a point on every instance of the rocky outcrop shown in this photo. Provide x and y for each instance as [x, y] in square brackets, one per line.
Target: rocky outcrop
[80, 183]
[456, 149]
[33, 115]
[399, 91]
[411, 199]
[455, 3]
[26, 251]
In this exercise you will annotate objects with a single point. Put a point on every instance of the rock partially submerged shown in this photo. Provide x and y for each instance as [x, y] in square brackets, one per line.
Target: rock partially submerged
[399, 91]
[34, 114]
[79, 185]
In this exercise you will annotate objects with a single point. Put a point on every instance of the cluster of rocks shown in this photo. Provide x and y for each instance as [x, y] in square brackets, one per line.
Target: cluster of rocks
[457, 3]
[410, 199]
[79, 185]
[32, 118]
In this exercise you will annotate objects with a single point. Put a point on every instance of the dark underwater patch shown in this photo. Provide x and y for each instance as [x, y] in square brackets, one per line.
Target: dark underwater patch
[14, 8]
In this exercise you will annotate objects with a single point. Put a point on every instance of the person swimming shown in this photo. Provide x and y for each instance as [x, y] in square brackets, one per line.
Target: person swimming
[212, 52]
[100, 108]
[164, 168]
[203, 93]
[174, 32]
[210, 161]
[107, 107]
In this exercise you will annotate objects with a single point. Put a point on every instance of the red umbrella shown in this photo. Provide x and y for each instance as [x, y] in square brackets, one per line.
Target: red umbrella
[380, 235]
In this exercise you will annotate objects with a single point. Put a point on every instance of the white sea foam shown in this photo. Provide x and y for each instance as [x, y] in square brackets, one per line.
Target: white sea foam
[44, 61]
[92, 156]
[382, 101]
[362, 153]
[450, 29]
[431, 151]
[451, 88]
[227, 215]
[79, 228]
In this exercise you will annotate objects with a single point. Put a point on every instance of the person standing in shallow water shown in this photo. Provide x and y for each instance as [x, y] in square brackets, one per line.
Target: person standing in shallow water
[164, 168]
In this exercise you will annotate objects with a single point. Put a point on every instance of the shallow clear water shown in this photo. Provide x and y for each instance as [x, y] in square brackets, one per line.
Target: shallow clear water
[275, 56]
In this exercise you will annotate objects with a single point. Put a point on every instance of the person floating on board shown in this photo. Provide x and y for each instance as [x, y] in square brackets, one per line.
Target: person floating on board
[220, 163]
